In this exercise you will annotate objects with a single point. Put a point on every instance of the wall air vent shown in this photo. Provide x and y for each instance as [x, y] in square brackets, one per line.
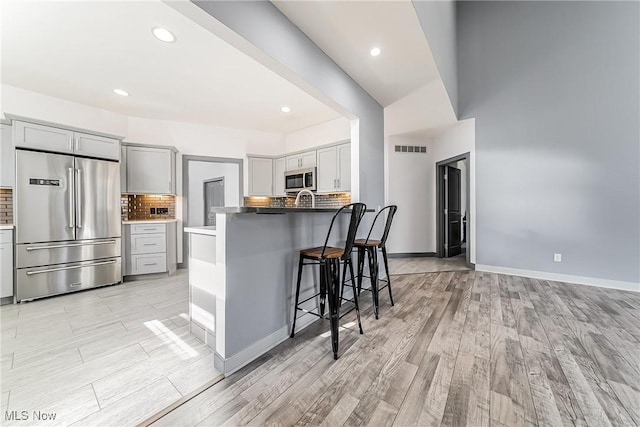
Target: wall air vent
[418, 149]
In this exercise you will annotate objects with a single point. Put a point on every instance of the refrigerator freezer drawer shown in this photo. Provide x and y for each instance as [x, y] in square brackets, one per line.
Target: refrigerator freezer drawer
[59, 279]
[37, 254]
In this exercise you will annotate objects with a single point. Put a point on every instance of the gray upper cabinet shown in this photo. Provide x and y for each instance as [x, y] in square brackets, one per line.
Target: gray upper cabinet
[334, 169]
[96, 146]
[260, 176]
[50, 138]
[123, 169]
[7, 158]
[40, 137]
[344, 167]
[279, 167]
[150, 170]
[301, 161]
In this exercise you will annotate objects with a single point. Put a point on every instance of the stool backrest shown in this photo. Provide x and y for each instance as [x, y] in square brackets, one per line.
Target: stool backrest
[357, 212]
[392, 211]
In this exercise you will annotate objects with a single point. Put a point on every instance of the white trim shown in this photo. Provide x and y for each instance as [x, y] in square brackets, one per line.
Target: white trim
[249, 354]
[556, 277]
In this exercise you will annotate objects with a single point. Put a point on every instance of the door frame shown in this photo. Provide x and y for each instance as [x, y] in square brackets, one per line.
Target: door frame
[204, 192]
[440, 219]
[186, 158]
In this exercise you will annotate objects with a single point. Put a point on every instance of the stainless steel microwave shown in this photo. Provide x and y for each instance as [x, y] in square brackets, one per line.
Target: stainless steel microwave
[301, 179]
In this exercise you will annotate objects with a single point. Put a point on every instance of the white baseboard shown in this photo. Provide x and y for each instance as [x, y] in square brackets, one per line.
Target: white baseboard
[580, 280]
[244, 357]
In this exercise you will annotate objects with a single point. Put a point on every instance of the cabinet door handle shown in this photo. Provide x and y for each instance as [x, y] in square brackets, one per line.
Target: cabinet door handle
[150, 263]
[149, 244]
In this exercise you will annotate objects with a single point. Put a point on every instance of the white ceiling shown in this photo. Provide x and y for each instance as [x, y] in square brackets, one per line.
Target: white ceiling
[81, 51]
[347, 30]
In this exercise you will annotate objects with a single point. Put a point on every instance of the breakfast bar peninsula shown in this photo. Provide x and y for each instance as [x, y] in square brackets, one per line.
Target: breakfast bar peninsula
[242, 275]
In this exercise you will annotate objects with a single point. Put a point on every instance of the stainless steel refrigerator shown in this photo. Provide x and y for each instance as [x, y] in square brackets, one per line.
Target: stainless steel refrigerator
[67, 223]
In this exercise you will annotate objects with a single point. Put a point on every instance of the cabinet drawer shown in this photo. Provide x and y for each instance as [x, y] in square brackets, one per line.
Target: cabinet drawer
[6, 236]
[148, 228]
[144, 264]
[148, 243]
[6, 270]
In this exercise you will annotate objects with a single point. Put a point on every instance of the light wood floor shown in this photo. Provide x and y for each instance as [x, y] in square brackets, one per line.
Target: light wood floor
[109, 356]
[426, 265]
[458, 348]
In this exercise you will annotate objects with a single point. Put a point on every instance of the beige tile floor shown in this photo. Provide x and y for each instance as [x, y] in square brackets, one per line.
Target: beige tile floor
[109, 356]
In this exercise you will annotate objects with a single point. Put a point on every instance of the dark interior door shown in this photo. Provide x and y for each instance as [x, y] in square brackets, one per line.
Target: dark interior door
[453, 217]
[213, 198]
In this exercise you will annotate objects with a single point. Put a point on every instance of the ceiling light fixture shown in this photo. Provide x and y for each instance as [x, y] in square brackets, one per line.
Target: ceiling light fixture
[121, 92]
[285, 109]
[163, 35]
[375, 51]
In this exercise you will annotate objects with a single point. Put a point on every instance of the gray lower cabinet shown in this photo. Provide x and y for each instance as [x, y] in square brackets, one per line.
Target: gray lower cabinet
[150, 248]
[6, 266]
[150, 170]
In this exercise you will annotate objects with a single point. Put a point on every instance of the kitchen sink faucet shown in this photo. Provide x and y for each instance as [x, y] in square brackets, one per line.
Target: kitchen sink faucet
[313, 197]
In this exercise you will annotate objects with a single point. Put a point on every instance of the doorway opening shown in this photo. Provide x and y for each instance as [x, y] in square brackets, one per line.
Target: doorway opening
[453, 208]
[208, 182]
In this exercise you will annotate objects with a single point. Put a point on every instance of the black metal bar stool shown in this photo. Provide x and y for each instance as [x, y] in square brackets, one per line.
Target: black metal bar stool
[370, 247]
[329, 259]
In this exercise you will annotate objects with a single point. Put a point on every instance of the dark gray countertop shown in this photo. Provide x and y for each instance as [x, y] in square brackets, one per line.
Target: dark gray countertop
[257, 210]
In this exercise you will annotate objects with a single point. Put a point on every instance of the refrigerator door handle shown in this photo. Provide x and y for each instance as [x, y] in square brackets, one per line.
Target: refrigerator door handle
[73, 267]
[71, 191]
[73, 245]
[78, 198]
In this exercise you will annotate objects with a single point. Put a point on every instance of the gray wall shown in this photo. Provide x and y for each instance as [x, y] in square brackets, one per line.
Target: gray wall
[264, 26]
[554, 88]
[438, 21]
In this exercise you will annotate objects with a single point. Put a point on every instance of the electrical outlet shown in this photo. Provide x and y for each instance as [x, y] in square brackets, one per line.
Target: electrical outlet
[557, 257]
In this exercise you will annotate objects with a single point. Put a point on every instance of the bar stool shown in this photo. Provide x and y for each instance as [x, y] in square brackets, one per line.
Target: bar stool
[370, 247]
[329, 259]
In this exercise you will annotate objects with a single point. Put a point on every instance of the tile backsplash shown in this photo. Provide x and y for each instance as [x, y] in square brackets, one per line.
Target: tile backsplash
[322, 201]
[135, 207]
[6, 206]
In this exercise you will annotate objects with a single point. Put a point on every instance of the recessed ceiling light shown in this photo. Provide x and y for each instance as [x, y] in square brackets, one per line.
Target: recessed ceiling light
[375, 51]
[121, 92]
[285, 109]
[163, 34]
